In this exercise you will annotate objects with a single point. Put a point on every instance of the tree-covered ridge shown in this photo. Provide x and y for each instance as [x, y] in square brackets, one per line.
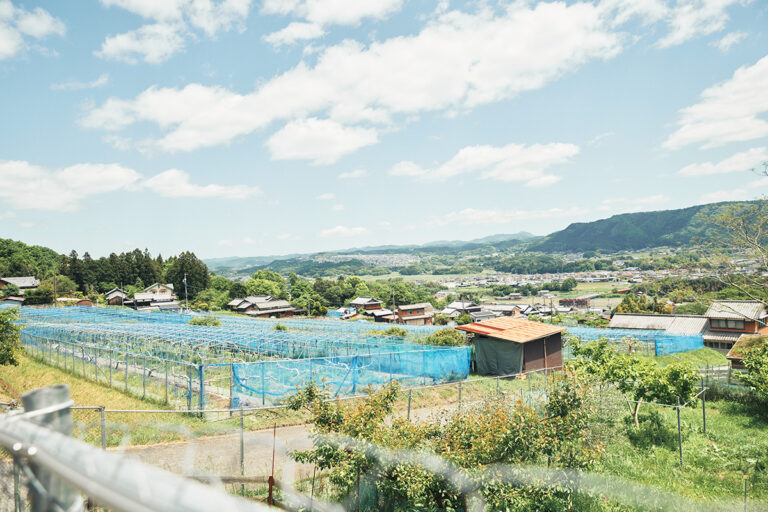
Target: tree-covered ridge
[19, 259]
[686, 226]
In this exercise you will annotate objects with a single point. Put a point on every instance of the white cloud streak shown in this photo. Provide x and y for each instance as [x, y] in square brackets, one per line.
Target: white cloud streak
[175, 20]
[353, 175]
[729, 40]
[458, 61]
[320, 140]
[27, 186]
[101, 81]
[333, 12]
[175, 183]
[294, 32]
[342, 231]
[513, 162]
[16, 24]
[740, 162]
[727, 112]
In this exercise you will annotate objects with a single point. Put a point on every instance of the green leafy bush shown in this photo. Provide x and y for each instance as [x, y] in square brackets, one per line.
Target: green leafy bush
[446, 337]
[654, 430]
[208, 321]
[281, 327]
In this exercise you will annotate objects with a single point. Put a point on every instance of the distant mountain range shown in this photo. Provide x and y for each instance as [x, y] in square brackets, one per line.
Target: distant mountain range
[629, 231]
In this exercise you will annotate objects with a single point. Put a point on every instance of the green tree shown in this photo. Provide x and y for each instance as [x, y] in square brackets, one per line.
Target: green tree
[641, 380]
[10, 331]
[568, 284]
[756, 362]
[262, 287]
[10, 290]
[196, 271]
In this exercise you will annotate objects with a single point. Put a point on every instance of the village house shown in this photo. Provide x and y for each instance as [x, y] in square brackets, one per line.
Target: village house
[383, 315]
[415, 314]
[746, 342]
[366, 304]
[248, 303]
[159, 288]
[458, 308]
[508, 346]
[24, 283]
[116, 297]
[729, 320]
[276, 308]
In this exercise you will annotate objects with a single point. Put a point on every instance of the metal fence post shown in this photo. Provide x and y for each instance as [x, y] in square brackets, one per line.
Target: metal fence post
[16, 489]
[242, 450]
[459, 395]
[704, 409]
[410, 392]
[231, 387]
[126, 371]
[103, 421]
[110, 367]
[166, 381]
[55, 492]
[143, 376]
[202, 388]
[679, 432]
[82, 354]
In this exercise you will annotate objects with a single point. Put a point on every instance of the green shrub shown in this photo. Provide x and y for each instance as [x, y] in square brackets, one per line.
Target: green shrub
[208, 321]
[654, 430]
[281, 327]
[446, 337]
[392, 331]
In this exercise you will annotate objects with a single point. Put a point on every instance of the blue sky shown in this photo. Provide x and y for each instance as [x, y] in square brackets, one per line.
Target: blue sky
[238, 127]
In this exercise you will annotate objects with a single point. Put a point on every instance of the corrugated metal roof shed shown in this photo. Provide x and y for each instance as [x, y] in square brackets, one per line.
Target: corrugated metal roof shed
[512, 329]
[641, 321]
[736, 309]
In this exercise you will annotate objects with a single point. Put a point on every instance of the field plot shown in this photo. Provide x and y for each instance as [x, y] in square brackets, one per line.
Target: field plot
[244, 362]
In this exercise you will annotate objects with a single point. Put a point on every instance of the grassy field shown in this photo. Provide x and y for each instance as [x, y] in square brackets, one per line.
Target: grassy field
[698, 358]
[714, 463]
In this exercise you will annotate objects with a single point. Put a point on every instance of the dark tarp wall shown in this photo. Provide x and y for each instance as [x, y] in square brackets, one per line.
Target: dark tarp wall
[498, 357]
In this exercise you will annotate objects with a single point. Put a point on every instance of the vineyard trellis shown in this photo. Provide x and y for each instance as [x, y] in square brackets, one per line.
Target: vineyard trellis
[243, 361]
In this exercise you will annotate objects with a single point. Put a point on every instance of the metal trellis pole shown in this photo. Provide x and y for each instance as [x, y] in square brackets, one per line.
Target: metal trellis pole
[679, 432]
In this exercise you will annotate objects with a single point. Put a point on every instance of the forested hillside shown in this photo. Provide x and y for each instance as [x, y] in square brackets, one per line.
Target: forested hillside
[20, 259]
[687, 226]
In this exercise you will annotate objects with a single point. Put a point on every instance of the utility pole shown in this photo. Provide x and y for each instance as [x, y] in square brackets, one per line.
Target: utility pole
[186, 298]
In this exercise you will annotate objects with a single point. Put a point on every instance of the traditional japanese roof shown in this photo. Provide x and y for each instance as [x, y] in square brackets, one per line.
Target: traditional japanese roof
[722, 336]
[115, 292]
[673, 324]
[235, 302]
[152, 297]
[745, 343]
[420, 305]
[364, 301]
[22, 282]
[166, 285]
[736, 309]
[382, 312]
[512, 329]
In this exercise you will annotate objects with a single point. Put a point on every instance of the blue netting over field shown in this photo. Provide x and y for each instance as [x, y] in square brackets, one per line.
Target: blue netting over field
[242, 360]
[258, 383]
[661, 342]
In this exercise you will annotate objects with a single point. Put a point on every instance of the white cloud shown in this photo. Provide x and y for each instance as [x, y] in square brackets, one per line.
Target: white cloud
[685, 19]
[729, 40]
[597, 140]
[320, 140]
[101, 81]
[225, 243]
[740, 162]
[456, 62]
[175, 183]
[326, 196]
[353, 175]
[632, 204]
[27, 186]
[737, 194]
[337, 208]
[296, 31]
[513, 162]
[691, 18]
[342, 231]
[16, 23]
[333, 12]
[154, 44]
[472, 216]
[727, 112]
[284, 236]
[157, 42]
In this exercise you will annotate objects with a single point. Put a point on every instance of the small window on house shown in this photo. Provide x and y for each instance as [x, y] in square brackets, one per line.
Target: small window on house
[735, 324]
